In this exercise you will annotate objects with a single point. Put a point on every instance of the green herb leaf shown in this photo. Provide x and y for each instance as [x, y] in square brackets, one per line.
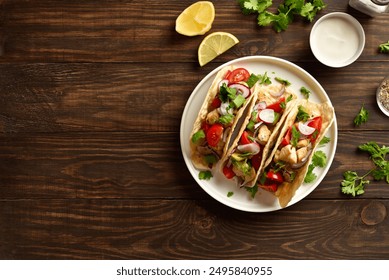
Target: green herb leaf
[306, 92]
[229, 194]
[353, 184]
[362, 116]
[295, 136]
[384, 47]
[205, 175]
[324, 141]
[302, 115]
[226, 93]
[253, 191]
[310, 176]
[286, 11]
[282, 81]
[319, 159]
[377, 153]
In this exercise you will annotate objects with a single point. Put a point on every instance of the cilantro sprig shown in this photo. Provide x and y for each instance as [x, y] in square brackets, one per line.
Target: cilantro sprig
[286, 11]
[361, 117]
[384, 47]
[353, 184]
[319, 159]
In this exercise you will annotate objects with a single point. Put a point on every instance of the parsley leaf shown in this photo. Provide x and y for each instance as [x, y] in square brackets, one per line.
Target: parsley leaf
[295, 136]
[319, 159]
[286, 11]
[229, 194]
[306, 92]
[384, 47]
[205, 175]
[283, 81]
[253, 191]
[361, 117]
[377, 153]
[354, 184]
[252, 6]
[310, 176]
[263, 79]
[226, 93]
[324, 141]
[302, 115]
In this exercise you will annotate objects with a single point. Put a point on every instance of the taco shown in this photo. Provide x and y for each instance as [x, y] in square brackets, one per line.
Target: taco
[287, 165]
[266, 114]
[224, 104]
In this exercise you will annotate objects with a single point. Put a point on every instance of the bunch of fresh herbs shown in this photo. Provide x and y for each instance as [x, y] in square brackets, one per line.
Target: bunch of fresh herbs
[285, 14]
[353, 184]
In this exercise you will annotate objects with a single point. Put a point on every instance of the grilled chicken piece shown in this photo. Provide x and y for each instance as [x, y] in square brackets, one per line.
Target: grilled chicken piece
[302, 143]
[302, 153]
[247, 177]
[288, 154]
[212, 116]
[263, 135]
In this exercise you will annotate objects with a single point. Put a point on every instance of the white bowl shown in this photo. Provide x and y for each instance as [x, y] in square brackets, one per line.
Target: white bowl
[337, 39]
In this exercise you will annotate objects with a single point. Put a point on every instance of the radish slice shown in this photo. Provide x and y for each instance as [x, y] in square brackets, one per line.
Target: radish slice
[267, 115]
[242, 89]
[279, 93]
[222, 82]
[305, 129]
[252, 148]
[260, 106]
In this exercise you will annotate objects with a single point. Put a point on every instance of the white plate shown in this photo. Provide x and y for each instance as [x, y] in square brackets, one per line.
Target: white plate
[219, 186]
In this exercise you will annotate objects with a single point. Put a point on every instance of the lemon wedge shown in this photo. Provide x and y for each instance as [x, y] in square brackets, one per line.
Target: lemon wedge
[215, 44]
[196, 19]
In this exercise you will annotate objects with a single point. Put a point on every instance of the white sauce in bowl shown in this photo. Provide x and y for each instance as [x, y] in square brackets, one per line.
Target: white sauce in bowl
[337, 39]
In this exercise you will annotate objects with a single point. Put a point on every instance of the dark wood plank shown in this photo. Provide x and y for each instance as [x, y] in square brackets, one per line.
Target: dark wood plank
[143, 31]
[146, 97]
[138, 165]
[174, 229]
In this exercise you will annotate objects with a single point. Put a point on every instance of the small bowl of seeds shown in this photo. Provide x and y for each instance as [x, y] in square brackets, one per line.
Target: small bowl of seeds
[383, 96]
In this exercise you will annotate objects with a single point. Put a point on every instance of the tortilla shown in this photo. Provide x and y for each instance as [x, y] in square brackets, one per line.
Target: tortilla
[269, 95]
[198, 159]
[286, 190]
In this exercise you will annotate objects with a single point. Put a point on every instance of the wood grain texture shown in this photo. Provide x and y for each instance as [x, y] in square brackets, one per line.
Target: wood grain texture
[103, 31]
[138, 165]
[174, 229]
[91, 99]
[116, 97]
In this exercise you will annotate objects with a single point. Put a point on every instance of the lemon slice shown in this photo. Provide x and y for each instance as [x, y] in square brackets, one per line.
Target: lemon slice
[196, 19]
[215, 44]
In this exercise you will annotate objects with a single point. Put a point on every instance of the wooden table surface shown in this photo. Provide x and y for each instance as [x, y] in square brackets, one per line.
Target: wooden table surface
[91, 99]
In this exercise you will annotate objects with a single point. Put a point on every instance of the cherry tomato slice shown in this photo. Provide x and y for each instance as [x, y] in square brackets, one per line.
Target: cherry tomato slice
[277, 107]
[316, 123]
[245, 138]
[227, 75]
[205, 126]
[238, 75]
[275, 176]
[216, 102]
[227, 171]
[214, 134]
[287, 137]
